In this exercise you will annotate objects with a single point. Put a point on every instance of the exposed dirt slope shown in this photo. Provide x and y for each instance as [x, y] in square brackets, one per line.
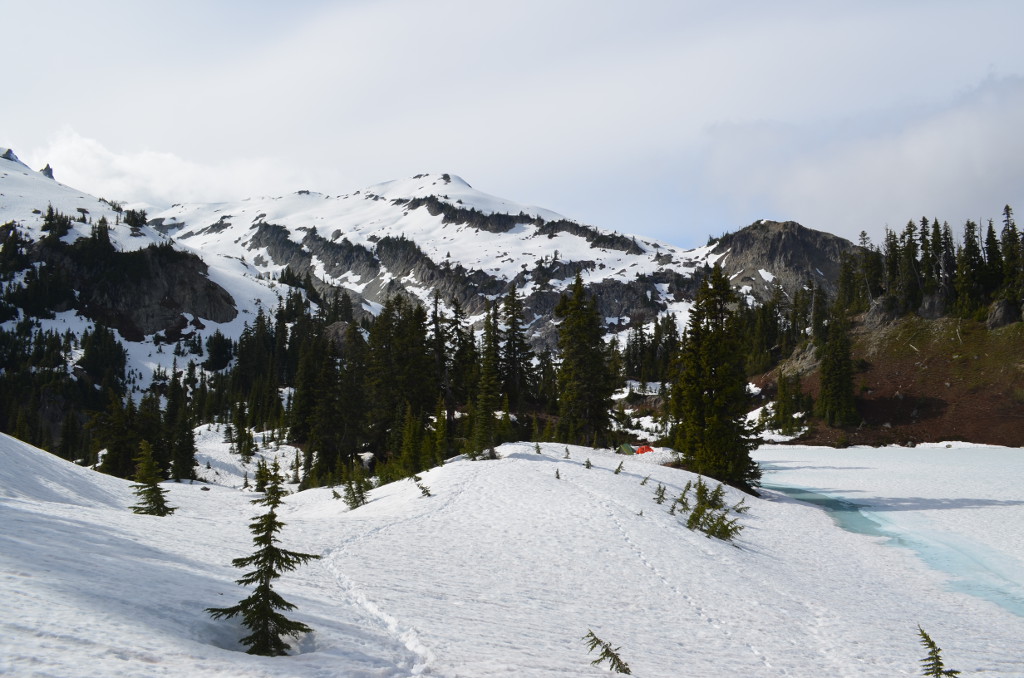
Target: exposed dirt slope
[931, 380]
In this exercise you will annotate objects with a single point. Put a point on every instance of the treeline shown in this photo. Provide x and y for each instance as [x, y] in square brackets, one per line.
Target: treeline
[924, 269]
[415, 385]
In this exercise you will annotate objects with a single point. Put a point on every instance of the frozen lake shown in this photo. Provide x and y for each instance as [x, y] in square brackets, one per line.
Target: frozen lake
[959, 508]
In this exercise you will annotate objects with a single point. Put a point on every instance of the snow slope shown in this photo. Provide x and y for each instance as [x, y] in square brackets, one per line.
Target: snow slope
[500, 573]
[24, 197]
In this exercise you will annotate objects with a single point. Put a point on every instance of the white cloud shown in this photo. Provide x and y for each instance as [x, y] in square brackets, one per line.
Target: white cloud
[156, 177]
[957, 162]
[673, 119]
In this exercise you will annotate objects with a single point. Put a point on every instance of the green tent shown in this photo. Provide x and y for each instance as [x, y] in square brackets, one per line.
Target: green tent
[625, 448]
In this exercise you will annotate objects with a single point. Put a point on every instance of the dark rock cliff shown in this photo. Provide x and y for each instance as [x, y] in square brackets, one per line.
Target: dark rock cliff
[793, 254]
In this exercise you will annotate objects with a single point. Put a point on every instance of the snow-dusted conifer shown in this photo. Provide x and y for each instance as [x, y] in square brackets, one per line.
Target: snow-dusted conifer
[259, 611]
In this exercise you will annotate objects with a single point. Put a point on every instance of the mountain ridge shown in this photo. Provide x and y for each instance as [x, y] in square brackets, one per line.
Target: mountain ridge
[408, 236]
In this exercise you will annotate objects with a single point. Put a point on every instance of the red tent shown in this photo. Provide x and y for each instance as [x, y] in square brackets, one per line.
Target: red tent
[644, 448]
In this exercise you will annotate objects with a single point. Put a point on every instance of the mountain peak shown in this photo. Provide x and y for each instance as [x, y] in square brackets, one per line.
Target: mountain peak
[8, 154]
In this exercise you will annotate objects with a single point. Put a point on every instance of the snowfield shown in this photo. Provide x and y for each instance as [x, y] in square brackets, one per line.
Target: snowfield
[505, 568]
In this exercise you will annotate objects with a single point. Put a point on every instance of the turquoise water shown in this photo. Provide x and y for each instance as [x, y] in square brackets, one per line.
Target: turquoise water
[976, 570]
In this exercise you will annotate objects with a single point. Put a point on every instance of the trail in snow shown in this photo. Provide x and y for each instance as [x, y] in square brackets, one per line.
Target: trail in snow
[500, 573]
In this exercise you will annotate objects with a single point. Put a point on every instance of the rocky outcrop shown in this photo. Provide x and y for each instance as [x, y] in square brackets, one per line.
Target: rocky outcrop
[1001, 313]
[139, 293]
[793, 254]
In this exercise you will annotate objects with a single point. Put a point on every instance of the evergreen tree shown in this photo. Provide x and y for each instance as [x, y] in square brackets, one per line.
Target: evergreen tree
[789, 401]
[484, 429]
[709, 396]
[969, 273]
[516, 365]
[1013, 258]
[585, 382]
[835, 402]
[147, 489]
[932, 665]
[259, 611]
[992, 274]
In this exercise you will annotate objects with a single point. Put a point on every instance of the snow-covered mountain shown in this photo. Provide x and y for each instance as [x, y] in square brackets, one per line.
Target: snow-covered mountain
[504, 569]
[437, 232]
[413, 236]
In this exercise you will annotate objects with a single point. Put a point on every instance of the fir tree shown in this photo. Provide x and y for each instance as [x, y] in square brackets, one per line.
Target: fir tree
[835, 401]
[516, 365]
[259, 611]
[151, 496]
[484, 430]
[608, 654]
[709, 396]
[932, 664]
[585, 383]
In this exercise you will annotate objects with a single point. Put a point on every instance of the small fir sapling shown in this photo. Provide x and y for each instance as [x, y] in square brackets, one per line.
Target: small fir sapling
[659, 494]
[709, 513]
[587, 464]
[424, 490]
[932, 664]
[618, 469]
[260, 610]
[558, 476]
[566, 453]
[536, 448]
[644, 481]
[608, 654]
[355, 496]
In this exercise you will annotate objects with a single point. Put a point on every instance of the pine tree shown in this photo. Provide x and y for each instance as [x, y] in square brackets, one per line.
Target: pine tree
[709, 396]
[151, 496]
[835, 402]
[969, 273]
[516, 365]
[932, 664]
[585, 383]
[484, 429]
[259, 611]
[608, 653]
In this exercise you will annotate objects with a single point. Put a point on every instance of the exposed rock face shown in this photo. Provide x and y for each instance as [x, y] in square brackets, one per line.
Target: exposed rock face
[141, 292]
[792, 253]
[1001, 313]
[475, 290]
[933, 306]
[47, 171]
[883, 311]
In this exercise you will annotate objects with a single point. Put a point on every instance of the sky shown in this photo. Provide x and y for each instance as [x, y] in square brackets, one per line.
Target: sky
[676, 120]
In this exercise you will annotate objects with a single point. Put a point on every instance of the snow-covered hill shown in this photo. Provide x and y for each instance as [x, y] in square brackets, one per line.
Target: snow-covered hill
[500, 573]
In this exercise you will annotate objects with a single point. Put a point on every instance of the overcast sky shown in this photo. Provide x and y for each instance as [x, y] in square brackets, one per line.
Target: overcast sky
[675, 120]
